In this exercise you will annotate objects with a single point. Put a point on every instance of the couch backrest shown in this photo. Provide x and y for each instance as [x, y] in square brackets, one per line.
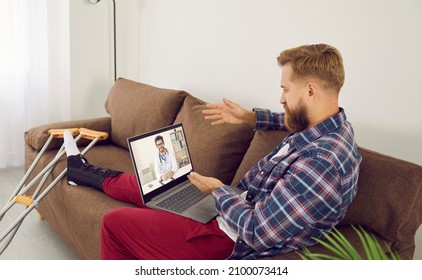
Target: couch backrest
[137, 108]
[389, 197]
[262, 143]
[216, 150]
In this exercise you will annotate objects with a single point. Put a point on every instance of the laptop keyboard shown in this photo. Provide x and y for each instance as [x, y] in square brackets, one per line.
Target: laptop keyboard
[182, 200]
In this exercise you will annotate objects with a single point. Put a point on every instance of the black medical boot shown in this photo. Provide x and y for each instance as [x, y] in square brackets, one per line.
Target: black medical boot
[80, 172]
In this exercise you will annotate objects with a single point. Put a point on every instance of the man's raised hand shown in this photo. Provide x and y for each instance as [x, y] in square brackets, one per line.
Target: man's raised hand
[228, 112]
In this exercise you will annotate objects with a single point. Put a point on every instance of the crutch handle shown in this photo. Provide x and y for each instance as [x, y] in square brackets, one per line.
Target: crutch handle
[23, 199]
[93, 134]
[59, 133]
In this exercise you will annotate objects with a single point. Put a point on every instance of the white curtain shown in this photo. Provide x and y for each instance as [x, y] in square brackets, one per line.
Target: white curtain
[26, 100]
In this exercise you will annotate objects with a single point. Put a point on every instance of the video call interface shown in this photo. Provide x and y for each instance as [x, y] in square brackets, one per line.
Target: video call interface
[147, 158]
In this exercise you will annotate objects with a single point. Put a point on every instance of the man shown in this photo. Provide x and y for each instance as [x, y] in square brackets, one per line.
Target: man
[164, 163]
[295, 193]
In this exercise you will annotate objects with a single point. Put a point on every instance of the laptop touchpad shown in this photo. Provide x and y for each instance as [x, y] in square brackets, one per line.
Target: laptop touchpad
[207, 205]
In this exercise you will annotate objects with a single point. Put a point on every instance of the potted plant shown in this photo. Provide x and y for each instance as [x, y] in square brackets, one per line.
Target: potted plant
[342, 249]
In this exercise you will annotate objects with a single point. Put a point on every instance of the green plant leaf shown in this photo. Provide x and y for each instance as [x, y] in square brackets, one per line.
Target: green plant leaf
[373, 249]
[307, 255]
[340, 250]
[333, 246]
[352, 252]
[364, 243]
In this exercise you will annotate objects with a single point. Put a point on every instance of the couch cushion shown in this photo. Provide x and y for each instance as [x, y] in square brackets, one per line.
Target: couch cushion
[262, 144]
[136, 108]
[389, 199]
[216, 151]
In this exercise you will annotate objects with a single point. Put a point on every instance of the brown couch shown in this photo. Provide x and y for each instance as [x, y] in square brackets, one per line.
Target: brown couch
[388, 202]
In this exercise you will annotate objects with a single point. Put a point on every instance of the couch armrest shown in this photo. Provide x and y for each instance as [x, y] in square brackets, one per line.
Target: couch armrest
[37, 136]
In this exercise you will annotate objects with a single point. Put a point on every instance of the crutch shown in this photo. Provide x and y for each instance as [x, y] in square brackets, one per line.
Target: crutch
[19, 196]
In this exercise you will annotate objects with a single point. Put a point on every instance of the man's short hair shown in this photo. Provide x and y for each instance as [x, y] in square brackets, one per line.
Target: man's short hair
[320, 61]
[159, 137]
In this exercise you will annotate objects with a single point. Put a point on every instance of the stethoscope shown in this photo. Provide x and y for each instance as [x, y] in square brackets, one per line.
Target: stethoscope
[163, 157]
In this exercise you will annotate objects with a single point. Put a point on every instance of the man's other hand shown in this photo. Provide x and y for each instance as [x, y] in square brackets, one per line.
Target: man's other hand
[203, 183]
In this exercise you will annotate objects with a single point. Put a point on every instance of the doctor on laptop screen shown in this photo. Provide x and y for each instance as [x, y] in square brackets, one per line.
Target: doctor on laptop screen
[160, 158]
[164, 162]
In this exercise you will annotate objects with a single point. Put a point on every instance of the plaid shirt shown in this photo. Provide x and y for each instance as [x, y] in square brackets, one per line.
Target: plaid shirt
[296, 196]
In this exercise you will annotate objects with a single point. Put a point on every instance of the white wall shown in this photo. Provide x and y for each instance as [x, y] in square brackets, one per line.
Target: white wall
[228, 48]
[91, 51]
[221, 48]
[58, 59]
[91, 57]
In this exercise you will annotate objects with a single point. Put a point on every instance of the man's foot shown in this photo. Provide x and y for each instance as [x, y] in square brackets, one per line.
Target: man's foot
[70, 144]
[80, 172]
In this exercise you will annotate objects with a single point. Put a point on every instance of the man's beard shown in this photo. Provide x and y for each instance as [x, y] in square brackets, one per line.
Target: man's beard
[296, 120]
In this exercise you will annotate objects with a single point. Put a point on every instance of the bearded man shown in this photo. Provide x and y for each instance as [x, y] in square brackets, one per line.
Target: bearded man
[291, 196]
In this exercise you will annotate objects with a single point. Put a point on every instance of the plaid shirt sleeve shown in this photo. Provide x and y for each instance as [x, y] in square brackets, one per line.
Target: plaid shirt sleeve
[307, 194]
[267, 120]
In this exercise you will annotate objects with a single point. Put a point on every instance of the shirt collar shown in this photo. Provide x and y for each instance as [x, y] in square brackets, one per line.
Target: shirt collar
[304, 137]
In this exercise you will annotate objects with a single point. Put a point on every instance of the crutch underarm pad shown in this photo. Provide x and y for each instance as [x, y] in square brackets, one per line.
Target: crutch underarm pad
[93, 134]
[58, 133]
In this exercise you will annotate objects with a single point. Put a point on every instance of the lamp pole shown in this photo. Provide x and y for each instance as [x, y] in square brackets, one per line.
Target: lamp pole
[114, 39]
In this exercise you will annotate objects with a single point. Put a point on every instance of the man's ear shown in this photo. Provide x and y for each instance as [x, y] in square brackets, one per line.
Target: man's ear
[313, 90]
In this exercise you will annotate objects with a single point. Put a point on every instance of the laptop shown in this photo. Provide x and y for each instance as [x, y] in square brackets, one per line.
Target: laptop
[162, 177]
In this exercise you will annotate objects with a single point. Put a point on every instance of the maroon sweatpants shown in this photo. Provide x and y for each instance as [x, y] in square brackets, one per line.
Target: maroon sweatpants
[144, 233]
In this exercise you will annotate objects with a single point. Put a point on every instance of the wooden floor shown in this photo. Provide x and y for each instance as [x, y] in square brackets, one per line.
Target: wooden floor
[34, 240]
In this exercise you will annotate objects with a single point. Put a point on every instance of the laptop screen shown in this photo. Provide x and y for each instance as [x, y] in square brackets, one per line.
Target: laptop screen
[161, 160]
